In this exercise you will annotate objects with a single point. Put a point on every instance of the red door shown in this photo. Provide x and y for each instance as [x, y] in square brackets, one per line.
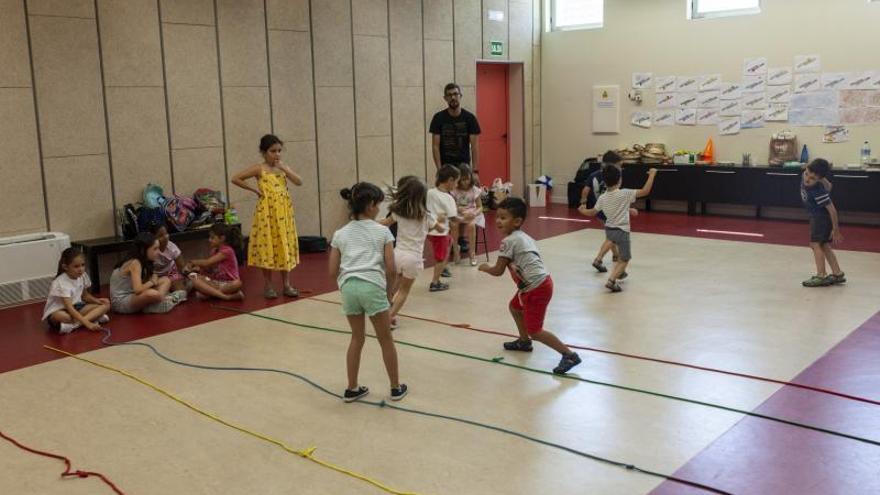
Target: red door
[492, 101]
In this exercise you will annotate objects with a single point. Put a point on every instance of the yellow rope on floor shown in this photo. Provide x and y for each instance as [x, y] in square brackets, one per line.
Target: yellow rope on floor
[304, 453]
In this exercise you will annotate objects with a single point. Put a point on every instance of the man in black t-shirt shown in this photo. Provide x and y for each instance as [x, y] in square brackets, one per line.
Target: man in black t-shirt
[455, 133]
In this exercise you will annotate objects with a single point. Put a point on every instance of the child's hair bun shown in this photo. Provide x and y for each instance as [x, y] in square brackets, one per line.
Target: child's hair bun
[345, 193]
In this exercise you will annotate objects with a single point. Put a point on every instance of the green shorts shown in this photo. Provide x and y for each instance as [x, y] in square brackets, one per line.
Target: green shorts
[362, 297]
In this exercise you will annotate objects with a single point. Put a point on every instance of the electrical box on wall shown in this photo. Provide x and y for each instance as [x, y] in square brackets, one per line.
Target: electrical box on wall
[606, 109]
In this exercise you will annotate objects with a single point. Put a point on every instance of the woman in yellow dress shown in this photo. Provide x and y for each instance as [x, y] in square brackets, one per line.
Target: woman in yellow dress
[273, 242]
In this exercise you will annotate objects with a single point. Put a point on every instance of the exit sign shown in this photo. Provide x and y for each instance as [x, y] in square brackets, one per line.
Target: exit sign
[496, 48]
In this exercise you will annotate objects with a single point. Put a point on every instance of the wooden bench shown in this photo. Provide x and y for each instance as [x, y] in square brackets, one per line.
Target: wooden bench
[93, 248]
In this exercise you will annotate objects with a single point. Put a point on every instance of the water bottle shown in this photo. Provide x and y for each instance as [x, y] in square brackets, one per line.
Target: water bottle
[866, 153]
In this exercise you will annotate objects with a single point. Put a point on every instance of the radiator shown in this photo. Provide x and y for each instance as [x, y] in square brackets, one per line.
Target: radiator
[28, 264]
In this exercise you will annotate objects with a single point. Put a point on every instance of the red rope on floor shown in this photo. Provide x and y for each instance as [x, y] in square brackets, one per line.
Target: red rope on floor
[467, 326]
[67, 469]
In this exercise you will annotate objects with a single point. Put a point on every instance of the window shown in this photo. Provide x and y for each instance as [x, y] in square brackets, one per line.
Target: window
[702, 9]
[576, 14]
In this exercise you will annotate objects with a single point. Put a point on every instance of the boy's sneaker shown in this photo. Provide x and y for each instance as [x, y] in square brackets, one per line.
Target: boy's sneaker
[66, 328]
[399, 392]
[103, 319]
[437, 287]
[353, 395]
[566, 363]
[817, 281]
[836, 279]
[613, 286]
[599, 266]
[518, 345]
[446, 273]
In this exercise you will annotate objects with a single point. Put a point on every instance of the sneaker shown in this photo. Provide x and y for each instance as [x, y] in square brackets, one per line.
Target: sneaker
[353, 395]
[836, 279]
[473, 262]
[269, 293]
[446, 273]
[399, 392]
[438, 287]
[817, 281]
[163, 306]
[395, 324]
[623, 276]
[66, 328]
[103, 319]
[291, 291]
[613, 286]
[566, 363]
[178, 296]
[599, 266]
[518, 345]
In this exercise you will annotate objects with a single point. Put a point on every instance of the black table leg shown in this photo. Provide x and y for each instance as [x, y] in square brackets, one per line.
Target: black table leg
[94, 272]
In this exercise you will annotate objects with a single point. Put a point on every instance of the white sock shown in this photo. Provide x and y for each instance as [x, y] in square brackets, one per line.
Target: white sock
[103, 319]
[69, 327]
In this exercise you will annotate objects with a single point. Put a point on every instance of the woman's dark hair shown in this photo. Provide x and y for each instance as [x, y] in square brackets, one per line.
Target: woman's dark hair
[67, 257]
[142, 242]
[611, 174]
[360, 196]
[268, 141]
[231, 236]
[410, 198]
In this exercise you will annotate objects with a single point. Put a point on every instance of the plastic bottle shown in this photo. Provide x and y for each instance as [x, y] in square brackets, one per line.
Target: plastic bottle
[805, 154]
[231, 216]
[866, 153]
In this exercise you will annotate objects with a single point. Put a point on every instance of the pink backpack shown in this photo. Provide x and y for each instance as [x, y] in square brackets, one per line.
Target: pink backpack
[180, 212]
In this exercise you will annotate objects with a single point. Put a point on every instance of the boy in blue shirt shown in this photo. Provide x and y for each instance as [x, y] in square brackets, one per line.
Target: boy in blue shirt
[824, 229]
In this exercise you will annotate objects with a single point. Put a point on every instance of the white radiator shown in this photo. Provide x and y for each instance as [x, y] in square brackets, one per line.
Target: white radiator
[28, 264]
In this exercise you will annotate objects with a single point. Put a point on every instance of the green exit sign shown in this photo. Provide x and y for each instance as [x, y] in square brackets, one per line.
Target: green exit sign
[496, 48]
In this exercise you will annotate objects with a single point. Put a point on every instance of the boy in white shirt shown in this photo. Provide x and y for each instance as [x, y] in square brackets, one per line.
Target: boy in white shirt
[441, 205]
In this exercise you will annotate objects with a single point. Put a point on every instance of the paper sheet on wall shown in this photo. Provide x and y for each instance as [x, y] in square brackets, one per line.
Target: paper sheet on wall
[707, 116]
[642, 80]
[872, 116]
[709, 99]
[872, 98]
[875, 80]
[851, 98]
[732, 108]
[729, 127]
[688, 100]
[804, 64]
[853, 116]
[686, 83]
[776, 113]
[754, 84]
[755, 101]
[641, 119]
[664, 118]
[731, 90]
[664, 84]
[752, 119]
[805, 83]
[755, 66]
[667, 100]
[818, 99]
[710, 82]
[686, 116]
[859, 80]
[777, 95]
[779, 76]
[813, 117]
[835, 134]
[834, 80]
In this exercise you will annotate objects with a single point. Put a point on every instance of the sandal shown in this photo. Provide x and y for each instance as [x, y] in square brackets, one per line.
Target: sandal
[291, 291]
[269, 293]
[599, 266]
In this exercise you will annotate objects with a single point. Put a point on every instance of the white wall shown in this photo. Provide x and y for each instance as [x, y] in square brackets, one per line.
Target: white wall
[655, 36]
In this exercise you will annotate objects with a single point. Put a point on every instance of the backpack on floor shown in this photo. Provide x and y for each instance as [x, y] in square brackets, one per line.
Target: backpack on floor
[128, 221]
[180, 212]
[210, 200]
[313, 244]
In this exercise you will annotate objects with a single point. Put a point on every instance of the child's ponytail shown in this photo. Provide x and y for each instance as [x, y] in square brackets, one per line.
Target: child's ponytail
[360, 196]
[67, 257]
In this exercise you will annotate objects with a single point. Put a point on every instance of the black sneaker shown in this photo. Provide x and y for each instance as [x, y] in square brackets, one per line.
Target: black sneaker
[599, 266]
[353, 395]
[399, 392]
[438, 287]
[566, 363]
[446, 273]
[518, 345]
[613, 286]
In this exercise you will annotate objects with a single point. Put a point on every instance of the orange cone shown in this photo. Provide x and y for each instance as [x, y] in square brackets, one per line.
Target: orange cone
[709, 152]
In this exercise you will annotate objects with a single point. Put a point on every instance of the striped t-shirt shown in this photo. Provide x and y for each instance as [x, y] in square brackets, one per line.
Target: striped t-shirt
[815, 197]
[362, 246]
[615, 205]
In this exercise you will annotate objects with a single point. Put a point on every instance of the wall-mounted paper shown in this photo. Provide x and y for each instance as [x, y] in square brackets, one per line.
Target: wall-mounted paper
[686, 83]
[859, 80]
[641, 119]
[872, 98]
[667, 100]
[804, 64]
[834, 80]
[710, 82]
[664, 118]
[835, 134]
[688, 100]
[754, 84]
[875, 80]
[872, 116]
[731, 90]
[709, 99]
[664, 84]
[813, 117]
[707, 116]
[851, 98]
[686, 116]
[642, 80]
[606, 109]
[776, 113]
[779, 76]
[778, 94]
[731, 108]
[853, 116]
[755, 66]
[755, 101]
[804, 83]
[818, 99]
[752, 119]
[729, 127]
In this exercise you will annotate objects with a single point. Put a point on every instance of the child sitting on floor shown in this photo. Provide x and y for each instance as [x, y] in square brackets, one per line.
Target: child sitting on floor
[69, 304]
[217, 276]
[170, 262]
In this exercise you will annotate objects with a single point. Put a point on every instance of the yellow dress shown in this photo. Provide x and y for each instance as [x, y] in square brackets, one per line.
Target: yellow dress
[273, 240]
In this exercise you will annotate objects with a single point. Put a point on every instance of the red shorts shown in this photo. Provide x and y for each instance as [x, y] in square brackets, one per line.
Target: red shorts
[440, 245]
[533, 305]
